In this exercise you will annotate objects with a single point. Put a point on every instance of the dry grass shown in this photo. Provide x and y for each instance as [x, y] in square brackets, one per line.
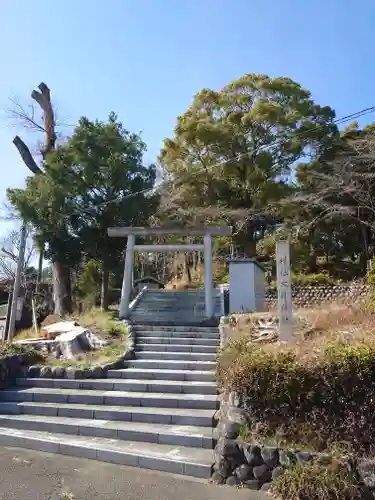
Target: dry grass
[100, 322]
[318, 482]
[27, 333]
[104, 323]
[316, 390]
[319, 327]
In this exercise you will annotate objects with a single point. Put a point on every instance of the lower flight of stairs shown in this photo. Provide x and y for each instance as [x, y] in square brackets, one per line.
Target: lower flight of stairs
[157, 412]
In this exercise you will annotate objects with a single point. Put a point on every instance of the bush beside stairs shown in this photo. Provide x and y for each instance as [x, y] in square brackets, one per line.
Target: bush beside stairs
[156, 412]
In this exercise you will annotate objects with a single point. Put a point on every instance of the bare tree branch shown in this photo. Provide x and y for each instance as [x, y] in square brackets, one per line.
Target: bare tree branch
[43, 98]
[9, 252]
[26, 117]
[344, 187]
[26, 155]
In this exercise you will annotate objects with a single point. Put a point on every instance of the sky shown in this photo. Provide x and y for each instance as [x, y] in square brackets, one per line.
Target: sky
[145, 59]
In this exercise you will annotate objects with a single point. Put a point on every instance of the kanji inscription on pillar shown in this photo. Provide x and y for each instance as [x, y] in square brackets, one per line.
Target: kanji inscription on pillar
[284, 290]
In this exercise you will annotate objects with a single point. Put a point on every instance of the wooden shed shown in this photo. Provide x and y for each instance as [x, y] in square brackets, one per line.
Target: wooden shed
[148, 281]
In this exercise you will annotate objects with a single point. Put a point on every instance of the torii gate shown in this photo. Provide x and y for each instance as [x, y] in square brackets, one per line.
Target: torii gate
[131, 232]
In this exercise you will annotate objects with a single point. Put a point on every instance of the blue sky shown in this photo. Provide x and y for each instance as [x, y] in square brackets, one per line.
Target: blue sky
[145, 59]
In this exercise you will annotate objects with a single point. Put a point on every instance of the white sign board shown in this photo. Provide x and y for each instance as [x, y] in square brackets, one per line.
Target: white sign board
[2, 328]
[284, 290]
[19, 309]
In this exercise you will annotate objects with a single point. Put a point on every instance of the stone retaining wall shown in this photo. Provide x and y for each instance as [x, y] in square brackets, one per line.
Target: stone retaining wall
[11, 368]
[307, 296]
[253, 466]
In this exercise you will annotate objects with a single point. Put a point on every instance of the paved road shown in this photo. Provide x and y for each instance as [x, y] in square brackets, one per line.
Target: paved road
[32, 475]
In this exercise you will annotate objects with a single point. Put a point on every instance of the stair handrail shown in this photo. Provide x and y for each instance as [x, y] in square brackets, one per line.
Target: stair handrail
[138, 297]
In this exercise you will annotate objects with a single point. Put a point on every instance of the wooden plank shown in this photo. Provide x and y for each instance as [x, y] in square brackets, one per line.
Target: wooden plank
[120, 232]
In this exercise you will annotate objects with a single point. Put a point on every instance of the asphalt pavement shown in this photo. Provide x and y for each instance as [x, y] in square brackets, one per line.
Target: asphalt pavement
[33, 475]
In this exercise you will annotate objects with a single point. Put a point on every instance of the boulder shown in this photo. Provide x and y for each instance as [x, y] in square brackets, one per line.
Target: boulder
[270, 456]
[253, 455]
[217, 478]
[244, 472]
[233, 481]
[262, 473]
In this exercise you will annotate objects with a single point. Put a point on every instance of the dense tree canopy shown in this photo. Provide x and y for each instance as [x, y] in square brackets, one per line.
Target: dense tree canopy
[259, 154]
[95, 180]
[233, 150]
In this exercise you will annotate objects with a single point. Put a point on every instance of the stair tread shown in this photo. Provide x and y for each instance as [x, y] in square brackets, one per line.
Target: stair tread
[118, 394]
[198, 456]
[115, 381]
[160, 370]
[163, 353]
[122, 409]
[175, 328]
[174, 361]
[199, 346]
[154, 339]
[177, 430]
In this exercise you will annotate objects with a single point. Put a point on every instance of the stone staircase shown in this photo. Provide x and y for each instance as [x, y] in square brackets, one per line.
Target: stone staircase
[173, 307]
[156, 412]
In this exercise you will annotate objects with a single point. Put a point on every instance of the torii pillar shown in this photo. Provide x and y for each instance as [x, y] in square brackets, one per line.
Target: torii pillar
[131, 232]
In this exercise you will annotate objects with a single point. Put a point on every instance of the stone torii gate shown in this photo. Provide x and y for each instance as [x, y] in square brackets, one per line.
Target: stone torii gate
[131, 232]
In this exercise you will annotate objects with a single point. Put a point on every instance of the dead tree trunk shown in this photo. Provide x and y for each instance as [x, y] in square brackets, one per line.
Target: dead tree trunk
[61, 273]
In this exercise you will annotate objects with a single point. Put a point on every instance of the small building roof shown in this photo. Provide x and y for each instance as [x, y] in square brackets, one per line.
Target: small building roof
[148, 279]
[241, 260]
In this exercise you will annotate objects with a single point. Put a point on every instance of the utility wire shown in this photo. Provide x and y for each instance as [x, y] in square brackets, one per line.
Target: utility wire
[338, 121]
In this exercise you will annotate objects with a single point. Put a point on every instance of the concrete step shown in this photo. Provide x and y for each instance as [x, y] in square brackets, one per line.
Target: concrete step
[177, 348]
[166, 317]
[162, 318]
[182, 435]
[177, 328]
[178, 356]
[174, 416]
[145, 339]
[194, 462]
[117, 398]
[158, 374]
[170, 364]
[128, 385]
[173, 306]
[168, 334]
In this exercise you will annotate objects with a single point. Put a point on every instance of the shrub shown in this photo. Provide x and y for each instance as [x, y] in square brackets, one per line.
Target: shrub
[371, 282]
[314, 279]
[89, 280]
[317, 482]
[30, 354]
[319, 402]
[102, 322]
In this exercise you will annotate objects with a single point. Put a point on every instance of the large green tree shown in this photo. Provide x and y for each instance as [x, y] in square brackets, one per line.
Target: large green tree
[232, 152]
[96, 180]
[47, 206]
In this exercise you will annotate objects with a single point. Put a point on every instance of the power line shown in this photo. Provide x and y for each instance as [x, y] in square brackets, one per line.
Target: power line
[338, 121]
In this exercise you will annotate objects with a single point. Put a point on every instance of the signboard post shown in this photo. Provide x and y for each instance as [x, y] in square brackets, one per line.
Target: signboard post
[284, 290]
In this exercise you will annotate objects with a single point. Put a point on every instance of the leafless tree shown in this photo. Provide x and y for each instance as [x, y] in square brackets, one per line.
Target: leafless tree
[47, 125]
[344, 186]
[9, 253]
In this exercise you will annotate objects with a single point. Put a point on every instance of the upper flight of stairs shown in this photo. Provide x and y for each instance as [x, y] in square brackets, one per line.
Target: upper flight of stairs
[173, 307]
[156, 412]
